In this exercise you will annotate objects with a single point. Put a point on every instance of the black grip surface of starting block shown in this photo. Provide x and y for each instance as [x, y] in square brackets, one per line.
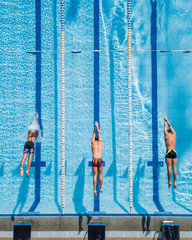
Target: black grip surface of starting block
[96, 231]
[170, 232]
[22, 232]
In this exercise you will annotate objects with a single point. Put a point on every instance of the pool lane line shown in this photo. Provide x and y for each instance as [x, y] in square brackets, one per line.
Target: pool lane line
[96, 88]
[155, 165]
[38, 163]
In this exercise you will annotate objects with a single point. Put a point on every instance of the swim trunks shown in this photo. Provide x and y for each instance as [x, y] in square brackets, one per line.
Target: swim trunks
[97, 162]
[29, 147]
[171, 153]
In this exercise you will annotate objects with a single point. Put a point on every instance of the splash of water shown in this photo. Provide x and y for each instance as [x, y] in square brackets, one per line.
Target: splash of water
[34, 126]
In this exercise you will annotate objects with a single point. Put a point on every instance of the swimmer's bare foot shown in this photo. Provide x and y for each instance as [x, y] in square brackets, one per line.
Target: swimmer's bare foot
[21, 172]
[175, 186]
[27, 173]
[170, 183]
[101, 190]
[95, 193]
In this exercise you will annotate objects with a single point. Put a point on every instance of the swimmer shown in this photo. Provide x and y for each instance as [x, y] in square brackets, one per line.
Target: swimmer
[30, 144]
[97, 162]
[171, 155]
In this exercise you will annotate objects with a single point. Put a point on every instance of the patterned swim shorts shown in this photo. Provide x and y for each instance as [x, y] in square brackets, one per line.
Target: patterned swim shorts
[97, 162]
[29, 147]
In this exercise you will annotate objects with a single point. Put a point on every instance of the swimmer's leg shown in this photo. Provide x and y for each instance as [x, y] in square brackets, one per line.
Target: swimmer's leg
[29, 163]
[22, 163]
[100, 178]
[174, 163]
[168, 162]
[94, 179]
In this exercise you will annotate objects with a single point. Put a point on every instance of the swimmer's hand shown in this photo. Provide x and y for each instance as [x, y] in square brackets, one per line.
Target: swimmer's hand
[36, 116]
[96, 124]
[165, 118]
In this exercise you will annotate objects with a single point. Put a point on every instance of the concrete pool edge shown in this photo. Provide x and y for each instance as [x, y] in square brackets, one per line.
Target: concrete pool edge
[80, 223]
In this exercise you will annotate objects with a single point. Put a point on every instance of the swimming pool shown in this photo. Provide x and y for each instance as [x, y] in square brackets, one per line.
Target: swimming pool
[31, 81]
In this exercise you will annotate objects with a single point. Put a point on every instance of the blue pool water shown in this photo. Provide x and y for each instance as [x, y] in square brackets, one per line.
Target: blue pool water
[96, 86]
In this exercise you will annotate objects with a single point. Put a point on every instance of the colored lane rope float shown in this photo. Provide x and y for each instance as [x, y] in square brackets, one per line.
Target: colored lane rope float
[130, 108]
[63, 108]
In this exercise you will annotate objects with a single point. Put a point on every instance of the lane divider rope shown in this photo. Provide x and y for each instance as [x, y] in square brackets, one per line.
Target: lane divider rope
[130, 109]
[62, 108]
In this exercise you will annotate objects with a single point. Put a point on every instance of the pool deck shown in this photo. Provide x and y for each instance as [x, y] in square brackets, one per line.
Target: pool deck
[76, 227]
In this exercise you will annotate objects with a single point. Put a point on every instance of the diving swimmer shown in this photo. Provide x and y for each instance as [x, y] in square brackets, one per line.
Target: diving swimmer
[171, 155]
[97, 161]
[33, 132]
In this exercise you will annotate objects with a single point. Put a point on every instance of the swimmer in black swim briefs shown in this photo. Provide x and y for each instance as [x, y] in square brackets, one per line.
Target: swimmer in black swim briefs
[171, 153]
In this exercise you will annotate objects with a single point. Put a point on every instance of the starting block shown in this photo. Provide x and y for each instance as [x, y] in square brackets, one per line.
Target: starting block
[22, 231]
[96, 230]
[170, 230]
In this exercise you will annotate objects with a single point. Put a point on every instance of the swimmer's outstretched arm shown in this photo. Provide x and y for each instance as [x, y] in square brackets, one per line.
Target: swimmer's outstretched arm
[99, 134]
[36, 116]
[36, 133]
[165, 125]
[166, 120]
[93, 137]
